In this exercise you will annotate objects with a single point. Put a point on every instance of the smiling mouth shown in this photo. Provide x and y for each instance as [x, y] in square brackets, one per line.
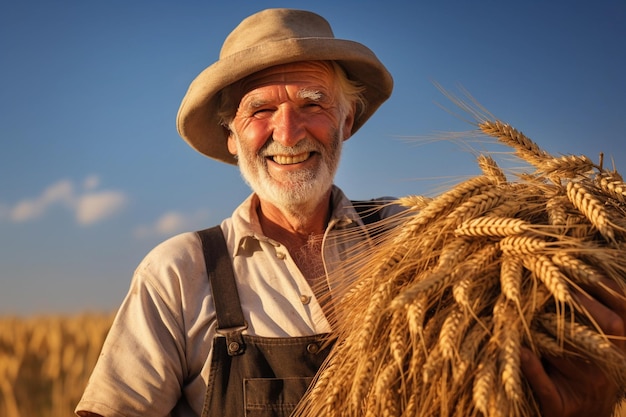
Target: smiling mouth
[291, 159]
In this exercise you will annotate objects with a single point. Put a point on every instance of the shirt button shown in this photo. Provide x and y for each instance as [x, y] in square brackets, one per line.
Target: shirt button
[280, 255]
[306, 299]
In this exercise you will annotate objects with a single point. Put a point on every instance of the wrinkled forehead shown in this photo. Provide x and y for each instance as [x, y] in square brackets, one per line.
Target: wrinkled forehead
[306, 72]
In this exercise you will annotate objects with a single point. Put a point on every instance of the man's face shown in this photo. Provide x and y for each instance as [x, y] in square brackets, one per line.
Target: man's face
[288, 132]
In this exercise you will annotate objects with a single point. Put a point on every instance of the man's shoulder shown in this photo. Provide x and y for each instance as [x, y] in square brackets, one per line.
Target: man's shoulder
[187, 246]
[383, 207]
[177, 245]
[176, 254]
[175, 269]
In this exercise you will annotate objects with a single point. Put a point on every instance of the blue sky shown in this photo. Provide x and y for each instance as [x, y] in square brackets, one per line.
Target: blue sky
[93, 173]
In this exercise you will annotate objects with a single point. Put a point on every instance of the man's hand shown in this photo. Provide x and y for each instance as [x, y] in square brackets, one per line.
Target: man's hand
[576, 387]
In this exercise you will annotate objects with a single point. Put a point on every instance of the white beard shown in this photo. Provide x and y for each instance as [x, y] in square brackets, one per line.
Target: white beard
[301, 193]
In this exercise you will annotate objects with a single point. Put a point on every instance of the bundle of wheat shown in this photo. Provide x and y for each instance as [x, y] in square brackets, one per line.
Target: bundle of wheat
[447, 299]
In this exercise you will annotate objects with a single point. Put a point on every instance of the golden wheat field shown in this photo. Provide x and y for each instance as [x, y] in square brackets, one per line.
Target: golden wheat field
[45, 362]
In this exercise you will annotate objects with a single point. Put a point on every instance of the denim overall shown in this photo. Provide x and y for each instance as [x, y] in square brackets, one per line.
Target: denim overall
[252, 376]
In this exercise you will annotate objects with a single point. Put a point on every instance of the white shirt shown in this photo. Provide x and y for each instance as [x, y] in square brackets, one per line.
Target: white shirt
[159, 347]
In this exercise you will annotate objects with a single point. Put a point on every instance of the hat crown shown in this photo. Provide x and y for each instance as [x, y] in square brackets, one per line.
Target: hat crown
[275, 25]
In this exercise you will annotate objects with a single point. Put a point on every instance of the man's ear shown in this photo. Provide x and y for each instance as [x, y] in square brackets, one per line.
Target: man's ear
[231, 142]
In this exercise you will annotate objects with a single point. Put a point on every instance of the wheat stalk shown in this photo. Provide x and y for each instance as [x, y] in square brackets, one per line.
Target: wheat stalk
[585, 201]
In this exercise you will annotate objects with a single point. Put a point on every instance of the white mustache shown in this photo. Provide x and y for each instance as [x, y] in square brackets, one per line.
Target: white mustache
[274, 148]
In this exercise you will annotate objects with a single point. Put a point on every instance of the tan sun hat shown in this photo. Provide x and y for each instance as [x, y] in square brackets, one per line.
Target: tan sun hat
[272, 37]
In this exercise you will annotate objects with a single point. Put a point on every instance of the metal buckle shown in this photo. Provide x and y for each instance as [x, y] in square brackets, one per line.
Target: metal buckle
[234, 339]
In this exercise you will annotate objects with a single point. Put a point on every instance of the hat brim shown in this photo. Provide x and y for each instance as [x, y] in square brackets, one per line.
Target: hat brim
[198, 122]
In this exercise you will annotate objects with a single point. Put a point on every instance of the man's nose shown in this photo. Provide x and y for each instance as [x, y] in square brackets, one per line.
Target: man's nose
[289, 126]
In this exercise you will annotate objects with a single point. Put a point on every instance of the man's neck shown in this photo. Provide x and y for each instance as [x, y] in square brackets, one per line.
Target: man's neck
[296, 225]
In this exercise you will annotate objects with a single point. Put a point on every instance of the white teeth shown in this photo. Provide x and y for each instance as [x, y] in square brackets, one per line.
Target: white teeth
[291, 159]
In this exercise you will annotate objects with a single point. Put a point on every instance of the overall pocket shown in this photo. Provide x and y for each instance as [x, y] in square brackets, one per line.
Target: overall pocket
[273, 397]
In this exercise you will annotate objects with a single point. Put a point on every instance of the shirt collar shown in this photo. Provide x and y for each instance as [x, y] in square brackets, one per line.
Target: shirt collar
[247, 227]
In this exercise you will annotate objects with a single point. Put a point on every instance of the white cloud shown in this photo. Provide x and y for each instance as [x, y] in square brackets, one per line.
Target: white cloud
[91, 182]
[171, 223]
[87, 207]
[26, 210]
[94, 207]
[60, 192]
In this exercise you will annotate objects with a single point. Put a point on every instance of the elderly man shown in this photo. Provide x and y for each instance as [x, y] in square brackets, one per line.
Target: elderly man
[232, 330]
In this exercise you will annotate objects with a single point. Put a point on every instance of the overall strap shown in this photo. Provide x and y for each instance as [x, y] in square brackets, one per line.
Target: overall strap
[367, 210]
[230, 320]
